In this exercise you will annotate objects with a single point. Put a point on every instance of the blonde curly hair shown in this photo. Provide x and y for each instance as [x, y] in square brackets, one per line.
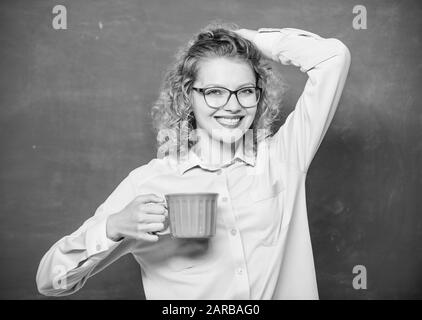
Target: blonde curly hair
[172, 113]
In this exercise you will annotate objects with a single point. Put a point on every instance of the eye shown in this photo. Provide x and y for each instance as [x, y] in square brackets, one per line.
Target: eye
[214, 91]
[247, 91]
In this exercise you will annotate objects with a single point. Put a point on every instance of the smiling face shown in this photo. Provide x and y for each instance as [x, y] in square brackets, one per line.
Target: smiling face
[230, 122]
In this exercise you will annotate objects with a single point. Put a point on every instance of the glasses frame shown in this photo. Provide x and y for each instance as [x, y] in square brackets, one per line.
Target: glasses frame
[202, 90]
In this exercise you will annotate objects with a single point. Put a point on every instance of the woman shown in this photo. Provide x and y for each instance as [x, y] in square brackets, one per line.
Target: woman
[214, 117]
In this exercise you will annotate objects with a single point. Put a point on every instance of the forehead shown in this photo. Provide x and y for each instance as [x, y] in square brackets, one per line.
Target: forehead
[227, 72]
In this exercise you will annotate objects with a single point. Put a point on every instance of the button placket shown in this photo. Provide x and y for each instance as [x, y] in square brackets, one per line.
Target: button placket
[235, 242]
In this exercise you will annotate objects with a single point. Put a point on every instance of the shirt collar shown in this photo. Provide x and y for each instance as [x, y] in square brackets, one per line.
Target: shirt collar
[191, 160]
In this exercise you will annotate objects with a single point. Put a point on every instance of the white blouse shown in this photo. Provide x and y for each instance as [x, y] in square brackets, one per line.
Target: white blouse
[262, 247]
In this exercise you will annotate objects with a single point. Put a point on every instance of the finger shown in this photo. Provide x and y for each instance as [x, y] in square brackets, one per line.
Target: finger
[152, 208]
[245, 33]
[153, 227]
[163, 232]
[149, 237]
[151, 197]
[152, 218]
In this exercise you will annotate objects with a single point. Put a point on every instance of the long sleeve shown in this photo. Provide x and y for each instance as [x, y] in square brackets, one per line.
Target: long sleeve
[326, 62]
[68, 264]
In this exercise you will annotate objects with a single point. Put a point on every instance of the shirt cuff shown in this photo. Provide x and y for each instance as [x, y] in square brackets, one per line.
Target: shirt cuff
[96, 240]
[266, 40]
[291, 46]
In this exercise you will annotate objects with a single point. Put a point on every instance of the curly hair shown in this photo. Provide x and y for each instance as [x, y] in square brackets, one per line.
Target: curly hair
[172, 113]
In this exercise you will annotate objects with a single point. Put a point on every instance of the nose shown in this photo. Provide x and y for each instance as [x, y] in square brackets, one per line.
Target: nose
[232, 104]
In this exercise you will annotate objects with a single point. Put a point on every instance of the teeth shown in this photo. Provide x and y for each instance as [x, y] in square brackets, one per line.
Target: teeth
[228, 121]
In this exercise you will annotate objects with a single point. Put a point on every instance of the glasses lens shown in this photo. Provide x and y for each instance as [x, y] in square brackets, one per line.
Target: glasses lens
[218, 97]
[248, 97]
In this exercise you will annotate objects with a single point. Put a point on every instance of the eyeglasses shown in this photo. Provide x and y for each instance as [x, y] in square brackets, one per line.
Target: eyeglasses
[217, 97]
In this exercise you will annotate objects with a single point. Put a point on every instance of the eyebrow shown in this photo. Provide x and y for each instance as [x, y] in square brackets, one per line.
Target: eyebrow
[220, 85]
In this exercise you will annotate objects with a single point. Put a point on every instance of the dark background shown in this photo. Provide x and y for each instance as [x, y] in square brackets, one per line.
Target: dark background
[74, 120]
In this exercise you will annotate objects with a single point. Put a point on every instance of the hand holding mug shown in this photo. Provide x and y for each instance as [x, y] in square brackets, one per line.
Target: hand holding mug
[140, 219]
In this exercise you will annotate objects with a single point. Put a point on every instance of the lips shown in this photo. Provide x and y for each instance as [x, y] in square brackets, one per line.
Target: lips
[229, 122]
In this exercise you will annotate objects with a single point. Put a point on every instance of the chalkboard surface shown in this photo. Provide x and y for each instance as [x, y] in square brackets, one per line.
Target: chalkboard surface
[74, 120]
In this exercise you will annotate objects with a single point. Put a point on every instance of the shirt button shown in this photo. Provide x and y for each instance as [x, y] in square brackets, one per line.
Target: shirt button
[239, 271]
[233, 232]
[224, 199]
[98, 247]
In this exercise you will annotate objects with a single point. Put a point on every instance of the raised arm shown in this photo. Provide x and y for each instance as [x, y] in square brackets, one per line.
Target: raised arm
[326, 61]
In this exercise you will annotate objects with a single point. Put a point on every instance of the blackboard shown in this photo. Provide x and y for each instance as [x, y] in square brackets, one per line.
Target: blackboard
[74, 120]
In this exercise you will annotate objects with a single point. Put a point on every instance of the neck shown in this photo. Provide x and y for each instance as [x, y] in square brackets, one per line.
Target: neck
[213, 151]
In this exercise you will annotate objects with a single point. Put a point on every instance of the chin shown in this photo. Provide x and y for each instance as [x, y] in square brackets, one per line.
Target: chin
[228, 136]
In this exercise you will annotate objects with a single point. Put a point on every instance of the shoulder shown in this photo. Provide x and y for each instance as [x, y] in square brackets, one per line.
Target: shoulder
[151, 169]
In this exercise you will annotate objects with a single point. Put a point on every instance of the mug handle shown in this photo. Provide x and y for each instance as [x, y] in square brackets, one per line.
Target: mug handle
[166, 230]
